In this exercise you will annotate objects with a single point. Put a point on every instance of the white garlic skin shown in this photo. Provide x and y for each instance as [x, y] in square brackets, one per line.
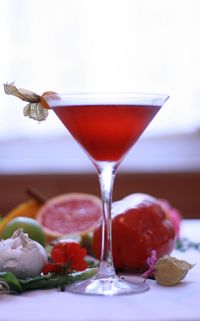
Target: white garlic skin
[22, 256]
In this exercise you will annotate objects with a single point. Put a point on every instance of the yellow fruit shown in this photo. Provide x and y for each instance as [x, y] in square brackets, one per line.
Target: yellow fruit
[27, 209]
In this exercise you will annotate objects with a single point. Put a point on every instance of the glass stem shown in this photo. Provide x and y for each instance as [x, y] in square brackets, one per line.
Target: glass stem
[106, 172]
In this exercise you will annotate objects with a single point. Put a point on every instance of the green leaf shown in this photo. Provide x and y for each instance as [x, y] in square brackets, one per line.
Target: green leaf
[12, 281]
[50, 281]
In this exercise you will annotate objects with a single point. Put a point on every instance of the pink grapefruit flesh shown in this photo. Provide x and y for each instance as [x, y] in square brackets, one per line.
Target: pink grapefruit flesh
[73, 213]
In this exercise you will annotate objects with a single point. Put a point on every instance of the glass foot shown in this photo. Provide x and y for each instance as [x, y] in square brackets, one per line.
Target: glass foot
[107, 286]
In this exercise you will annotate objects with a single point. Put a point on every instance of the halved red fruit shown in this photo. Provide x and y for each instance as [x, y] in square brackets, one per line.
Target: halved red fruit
[69, 214]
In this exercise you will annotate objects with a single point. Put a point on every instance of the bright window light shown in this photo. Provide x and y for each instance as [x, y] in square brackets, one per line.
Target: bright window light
[107, 45]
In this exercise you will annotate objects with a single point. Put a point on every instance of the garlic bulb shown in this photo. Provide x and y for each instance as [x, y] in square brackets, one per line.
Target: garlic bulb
[21, 255]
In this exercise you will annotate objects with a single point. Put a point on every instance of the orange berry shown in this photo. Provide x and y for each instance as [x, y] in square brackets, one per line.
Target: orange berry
[43, 101]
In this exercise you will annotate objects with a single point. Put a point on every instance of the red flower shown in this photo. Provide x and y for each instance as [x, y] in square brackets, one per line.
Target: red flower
[66, 257]
[52, 267]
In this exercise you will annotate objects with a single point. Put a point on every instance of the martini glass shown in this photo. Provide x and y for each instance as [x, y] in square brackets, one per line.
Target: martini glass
[106, 126]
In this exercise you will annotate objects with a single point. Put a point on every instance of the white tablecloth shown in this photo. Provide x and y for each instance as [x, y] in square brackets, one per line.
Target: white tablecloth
[178, 303]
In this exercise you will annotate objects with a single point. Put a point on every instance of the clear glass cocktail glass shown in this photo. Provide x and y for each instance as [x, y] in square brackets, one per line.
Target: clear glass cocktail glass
[106, 126]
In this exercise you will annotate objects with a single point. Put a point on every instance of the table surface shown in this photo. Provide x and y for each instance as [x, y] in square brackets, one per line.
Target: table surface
[178, 303]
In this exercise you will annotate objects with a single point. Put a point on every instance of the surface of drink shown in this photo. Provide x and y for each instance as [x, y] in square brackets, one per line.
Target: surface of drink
[106, 132]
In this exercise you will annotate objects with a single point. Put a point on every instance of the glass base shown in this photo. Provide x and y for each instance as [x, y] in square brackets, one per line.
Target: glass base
[107, 286]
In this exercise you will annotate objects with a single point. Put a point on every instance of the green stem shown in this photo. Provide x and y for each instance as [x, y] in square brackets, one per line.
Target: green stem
[56, 280]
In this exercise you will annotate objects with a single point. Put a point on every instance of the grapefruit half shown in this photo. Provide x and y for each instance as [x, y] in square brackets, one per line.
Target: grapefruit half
[69, 214]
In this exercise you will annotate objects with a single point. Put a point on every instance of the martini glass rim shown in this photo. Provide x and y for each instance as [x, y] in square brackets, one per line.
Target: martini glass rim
[105, 98]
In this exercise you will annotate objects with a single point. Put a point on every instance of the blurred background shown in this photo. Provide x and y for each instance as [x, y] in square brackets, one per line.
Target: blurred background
[112, 46]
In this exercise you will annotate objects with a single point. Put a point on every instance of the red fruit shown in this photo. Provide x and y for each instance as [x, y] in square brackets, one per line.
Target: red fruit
[172, 214]
[139, 225]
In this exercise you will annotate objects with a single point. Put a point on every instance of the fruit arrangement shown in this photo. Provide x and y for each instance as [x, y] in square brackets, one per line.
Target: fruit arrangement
[141, 223]
[144, 231]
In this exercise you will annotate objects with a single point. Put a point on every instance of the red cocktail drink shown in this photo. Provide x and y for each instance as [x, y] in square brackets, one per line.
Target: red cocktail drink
[106, 132]
[106, 126]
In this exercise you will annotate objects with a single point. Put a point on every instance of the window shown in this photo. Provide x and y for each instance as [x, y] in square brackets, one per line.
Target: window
[107, 45]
